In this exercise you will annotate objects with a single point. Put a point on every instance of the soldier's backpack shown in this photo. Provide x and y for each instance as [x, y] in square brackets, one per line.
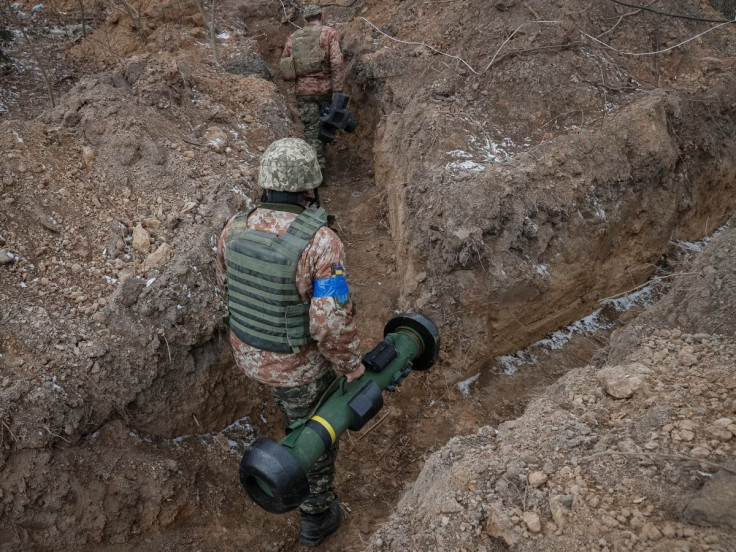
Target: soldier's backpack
[308, 57]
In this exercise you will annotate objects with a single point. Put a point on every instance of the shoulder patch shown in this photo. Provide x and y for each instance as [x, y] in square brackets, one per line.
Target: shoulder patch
[336, 286]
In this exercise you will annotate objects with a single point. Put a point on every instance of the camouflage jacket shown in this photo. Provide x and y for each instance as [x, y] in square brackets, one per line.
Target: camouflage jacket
[319, 84]
[331, 324]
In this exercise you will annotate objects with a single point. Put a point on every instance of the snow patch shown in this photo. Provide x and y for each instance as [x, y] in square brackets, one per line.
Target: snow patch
[464, 386]
[17, 137]
[465, 166]
[595, 321]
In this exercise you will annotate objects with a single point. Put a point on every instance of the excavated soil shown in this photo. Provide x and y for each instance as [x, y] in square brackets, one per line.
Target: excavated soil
[505, 194]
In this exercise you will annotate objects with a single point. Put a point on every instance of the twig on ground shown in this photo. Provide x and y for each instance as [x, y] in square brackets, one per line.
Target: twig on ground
[414, 43]
[9, 431]
[594, 39]
[286, 17]
[510, 37]
[84, 24]
[48, 429]
[373, 426]
[44, 75]
[660, 455]
[168, 349]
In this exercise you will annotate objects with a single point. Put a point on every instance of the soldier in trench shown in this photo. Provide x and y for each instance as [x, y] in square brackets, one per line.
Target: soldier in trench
[280, 264]
[312, 57]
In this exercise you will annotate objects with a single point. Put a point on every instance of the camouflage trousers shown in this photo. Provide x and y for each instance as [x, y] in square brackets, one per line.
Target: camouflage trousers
[297, 403]
[308, 107]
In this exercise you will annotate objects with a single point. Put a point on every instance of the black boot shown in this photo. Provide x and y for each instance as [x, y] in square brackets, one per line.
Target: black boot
[317, 527]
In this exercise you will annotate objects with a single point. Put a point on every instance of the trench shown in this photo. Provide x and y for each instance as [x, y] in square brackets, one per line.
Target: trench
[203, 506]
[462, 393]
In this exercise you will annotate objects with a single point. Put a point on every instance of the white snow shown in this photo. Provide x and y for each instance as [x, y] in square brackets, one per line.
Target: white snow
[465, 166]
[460, 153]
[464, 386]
[595, 321]
[223, 35]
[17, 137]
[150, 281]
[542, 269]
[55, 386]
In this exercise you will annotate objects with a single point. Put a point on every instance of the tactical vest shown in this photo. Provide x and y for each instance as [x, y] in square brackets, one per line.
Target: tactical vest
[266, 310]
[309, 58]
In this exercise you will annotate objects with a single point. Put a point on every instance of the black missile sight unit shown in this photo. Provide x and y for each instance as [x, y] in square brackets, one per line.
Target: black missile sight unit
[335, 116]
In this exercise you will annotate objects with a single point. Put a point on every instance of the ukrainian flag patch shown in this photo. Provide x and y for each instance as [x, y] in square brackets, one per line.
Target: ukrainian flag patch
[335, 286]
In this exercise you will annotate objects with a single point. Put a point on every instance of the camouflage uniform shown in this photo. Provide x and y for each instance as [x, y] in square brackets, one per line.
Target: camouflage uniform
[297, 380]
[317, 88]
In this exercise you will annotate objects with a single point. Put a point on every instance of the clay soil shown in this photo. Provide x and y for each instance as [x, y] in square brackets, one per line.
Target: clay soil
[122, 417]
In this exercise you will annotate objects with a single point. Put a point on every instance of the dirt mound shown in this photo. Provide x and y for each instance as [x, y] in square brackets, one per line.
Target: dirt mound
[113, 202]
[635, 456]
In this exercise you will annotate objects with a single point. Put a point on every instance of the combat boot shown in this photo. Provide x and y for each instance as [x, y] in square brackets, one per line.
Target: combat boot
[317, 527]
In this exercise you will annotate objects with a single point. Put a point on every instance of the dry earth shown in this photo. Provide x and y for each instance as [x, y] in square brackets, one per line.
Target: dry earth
[504, 202]
[636, 455]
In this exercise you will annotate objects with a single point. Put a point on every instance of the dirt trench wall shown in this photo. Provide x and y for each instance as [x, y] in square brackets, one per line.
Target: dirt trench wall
[112, 329]
[521, 195]
[535, 243]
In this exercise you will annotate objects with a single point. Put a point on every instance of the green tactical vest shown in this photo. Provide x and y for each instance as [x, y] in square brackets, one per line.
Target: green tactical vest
[266, 310]
[308, 57]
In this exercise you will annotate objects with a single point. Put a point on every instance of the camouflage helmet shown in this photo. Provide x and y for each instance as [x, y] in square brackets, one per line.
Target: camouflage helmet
[310, 10]
[289, 165]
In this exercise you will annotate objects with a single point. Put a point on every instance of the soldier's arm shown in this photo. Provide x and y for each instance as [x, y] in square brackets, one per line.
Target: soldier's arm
[321, 275]
[337, 64]
[287, 49]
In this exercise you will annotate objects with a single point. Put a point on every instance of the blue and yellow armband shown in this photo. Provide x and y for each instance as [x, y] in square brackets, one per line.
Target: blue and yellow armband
[336, 286]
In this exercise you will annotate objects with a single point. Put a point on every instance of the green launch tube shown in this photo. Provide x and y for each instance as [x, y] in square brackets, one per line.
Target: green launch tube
[274, 474]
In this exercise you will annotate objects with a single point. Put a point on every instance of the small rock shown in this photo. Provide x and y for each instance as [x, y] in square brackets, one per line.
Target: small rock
[158, 258]
[216, 139]
[558, 505]
[532, 521]
[88, 154]
[451, 506]
[649, 531]
[700, 452]
[621, 382]
[715, 503]
[537, 478]
[6, 257]
[141, 239]
[686, 358]
[76, 268]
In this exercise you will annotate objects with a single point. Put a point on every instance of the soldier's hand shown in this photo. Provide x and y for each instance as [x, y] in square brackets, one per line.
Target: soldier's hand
[355, 374]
